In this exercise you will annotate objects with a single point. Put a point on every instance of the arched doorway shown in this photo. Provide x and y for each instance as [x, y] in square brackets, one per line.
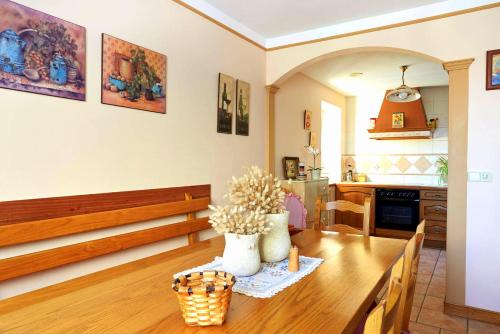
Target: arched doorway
[457, 154]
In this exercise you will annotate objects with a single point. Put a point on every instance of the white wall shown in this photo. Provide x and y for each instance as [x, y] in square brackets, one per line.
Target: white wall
[453, 38]
[382, 160]
[300, 93]
[57, 147]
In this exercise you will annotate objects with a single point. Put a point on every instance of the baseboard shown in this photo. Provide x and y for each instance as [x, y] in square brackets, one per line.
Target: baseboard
[472, 313]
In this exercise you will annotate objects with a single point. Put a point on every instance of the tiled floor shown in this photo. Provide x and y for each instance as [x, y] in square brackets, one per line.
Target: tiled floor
[427, 314]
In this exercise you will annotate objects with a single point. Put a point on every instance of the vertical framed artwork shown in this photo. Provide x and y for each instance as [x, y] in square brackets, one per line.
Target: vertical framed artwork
[493, 69]
[133, 76]
[313, 139]
[40, 53]
[398, 120]
[307, 120]
[225, 104]
[290, 167]
[242, 107]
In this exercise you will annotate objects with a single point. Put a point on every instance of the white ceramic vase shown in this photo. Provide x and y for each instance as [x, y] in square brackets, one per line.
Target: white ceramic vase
[275, 245]
[241, 254]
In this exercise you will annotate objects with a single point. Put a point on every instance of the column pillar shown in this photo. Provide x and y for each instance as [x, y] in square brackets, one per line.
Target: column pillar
[458, 72]
[270, 129]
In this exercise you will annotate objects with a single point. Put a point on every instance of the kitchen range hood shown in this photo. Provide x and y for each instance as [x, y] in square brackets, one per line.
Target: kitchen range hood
[410, 121]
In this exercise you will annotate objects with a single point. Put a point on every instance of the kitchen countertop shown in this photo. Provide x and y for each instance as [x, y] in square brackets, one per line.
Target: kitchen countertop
[418, 186]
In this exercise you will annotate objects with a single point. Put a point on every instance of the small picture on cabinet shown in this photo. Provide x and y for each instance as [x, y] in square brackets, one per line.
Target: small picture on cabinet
[493, 69]
[398, 120]
[242, 107]
[225, 104]
[133, 76]
[290, 167]
[307, 120]
[40, 53]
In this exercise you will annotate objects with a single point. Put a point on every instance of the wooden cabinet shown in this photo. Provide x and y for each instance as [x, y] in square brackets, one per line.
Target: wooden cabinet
[434, 209]
[309, 190]
[356, 195]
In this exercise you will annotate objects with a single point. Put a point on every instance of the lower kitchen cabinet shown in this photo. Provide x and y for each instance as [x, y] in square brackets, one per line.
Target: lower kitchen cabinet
[435, 213]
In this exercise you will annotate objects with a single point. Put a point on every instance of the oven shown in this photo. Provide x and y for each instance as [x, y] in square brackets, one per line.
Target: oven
[397, 209]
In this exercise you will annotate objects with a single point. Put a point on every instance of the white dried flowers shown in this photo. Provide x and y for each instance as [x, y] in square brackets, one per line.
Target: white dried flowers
[252, 196]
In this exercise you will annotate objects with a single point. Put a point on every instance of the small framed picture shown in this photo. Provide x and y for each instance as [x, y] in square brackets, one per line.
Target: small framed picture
[313, 139]
[493, 69]
[290, 167]
[307, 120]
[398, 120]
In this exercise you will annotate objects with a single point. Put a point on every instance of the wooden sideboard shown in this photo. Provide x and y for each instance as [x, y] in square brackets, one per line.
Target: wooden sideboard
[433, 208]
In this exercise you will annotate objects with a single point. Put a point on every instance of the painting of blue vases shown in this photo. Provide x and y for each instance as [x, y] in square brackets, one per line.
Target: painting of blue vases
[40, 53]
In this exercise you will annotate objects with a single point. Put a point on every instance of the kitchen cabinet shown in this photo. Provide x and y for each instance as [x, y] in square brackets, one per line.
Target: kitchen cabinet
[309, 190]
[434, 209]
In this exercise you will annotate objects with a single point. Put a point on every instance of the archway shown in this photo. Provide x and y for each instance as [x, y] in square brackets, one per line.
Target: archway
[458, 72]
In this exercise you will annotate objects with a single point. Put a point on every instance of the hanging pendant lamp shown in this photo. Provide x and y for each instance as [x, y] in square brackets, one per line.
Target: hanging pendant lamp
[403, 93]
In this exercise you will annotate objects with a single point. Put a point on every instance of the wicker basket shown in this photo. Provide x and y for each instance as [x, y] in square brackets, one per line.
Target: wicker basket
[204, 297]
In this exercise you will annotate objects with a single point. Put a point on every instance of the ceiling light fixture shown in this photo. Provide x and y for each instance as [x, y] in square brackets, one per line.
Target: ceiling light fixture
[403, 93]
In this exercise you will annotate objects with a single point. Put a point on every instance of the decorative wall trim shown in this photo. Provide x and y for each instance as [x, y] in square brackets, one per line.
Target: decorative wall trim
[270, 129]
[462, 64]
[472, 313]
[338, 36]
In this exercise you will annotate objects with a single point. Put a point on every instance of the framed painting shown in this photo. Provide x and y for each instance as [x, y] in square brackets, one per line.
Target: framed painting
[307, 120]
[225, 104]
[133, 76]
[313, 139]
[398, 120]
[290, 167]
[493, 69]
[242, 107]
[40, 53]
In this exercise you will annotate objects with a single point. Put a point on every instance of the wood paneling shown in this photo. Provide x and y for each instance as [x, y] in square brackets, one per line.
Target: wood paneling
[46, 208]
[136, 297]
[52, 258]
[55, 227]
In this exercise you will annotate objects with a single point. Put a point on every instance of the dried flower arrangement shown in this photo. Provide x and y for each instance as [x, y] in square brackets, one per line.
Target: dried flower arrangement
[252, 196]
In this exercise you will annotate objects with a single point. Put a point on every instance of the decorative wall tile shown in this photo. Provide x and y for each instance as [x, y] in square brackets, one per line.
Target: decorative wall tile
[403, 164]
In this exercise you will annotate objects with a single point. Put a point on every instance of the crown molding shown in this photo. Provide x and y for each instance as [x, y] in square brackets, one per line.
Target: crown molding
[215, 16]
[462, 64]
[272, 89]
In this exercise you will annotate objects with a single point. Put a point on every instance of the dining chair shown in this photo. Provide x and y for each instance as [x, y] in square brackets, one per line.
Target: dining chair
[411, 283]
[382, 319]
[298, 212]
[343, 206]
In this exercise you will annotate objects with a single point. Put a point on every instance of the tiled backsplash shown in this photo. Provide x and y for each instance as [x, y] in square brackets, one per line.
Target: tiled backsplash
[395, 168]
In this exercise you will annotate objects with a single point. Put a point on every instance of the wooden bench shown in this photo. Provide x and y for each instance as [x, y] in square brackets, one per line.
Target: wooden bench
[31, 220]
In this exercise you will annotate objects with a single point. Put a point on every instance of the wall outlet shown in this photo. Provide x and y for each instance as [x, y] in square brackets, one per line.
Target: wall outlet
[480, 176]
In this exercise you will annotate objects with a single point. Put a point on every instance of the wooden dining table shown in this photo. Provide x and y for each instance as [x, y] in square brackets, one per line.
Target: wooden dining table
[137, 297]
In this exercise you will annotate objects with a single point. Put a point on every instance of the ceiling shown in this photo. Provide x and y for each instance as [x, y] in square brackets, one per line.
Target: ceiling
[380, 72]
[274, 23]
[273, 18]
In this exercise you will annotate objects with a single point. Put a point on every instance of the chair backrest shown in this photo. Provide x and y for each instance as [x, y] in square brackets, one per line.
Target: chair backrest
[343, 206]
[26, 221]
[375, 322]
[298, 212]
[382, 319]
[412, 276]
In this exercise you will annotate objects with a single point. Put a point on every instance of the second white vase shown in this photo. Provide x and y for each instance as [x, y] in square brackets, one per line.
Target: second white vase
[241, 254]
[275, 245]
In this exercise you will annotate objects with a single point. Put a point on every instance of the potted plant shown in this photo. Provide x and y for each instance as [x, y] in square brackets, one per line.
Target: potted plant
[315, 171]
[442, 169]
[258, 190]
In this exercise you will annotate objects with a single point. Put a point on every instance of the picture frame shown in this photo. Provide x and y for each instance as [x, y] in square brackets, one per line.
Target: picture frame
[225, 104]
[313, 139]
[290, 167]
[307, 120]
[493, 69]
[41, 53]
[398, 120]
[242, 108]
[133, 76]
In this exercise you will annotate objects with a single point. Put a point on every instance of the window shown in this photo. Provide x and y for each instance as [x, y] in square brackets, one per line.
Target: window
[331, 141]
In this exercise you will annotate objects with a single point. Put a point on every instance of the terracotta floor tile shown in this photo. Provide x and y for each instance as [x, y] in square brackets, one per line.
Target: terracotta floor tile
[415, 310]
[418, 299]
[416, 328]
[479, 327]
[424, 278]
[426, 268]
[433, 303]
[441, 320]
[445, 331]
[436, 290]
[438, 280]
[421, 288]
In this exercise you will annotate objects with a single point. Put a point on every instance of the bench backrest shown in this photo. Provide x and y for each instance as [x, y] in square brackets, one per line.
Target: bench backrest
[31, 220]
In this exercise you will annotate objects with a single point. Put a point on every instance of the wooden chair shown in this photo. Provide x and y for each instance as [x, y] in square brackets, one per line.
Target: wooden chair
[343, 206]
[26, 221]
[410, 280]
